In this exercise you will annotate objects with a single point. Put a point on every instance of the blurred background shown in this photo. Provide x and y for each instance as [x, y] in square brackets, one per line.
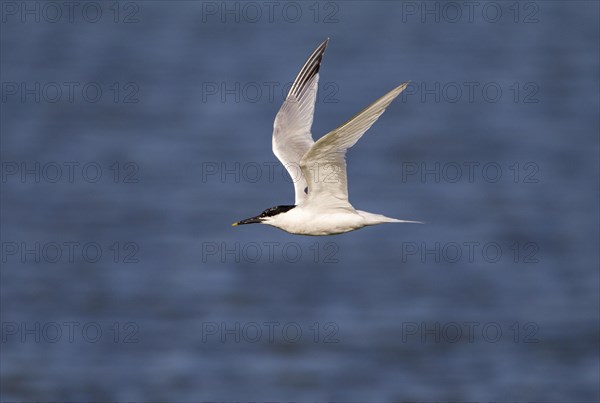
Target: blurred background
[135, 133]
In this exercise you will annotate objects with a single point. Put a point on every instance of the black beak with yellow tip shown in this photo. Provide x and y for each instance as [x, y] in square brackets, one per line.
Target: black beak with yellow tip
[270, 212]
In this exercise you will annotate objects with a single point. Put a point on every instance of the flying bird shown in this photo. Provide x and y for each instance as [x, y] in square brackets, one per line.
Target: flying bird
[318, 168]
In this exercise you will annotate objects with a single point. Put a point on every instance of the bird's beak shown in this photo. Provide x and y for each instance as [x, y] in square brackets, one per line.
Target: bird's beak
[253, 220]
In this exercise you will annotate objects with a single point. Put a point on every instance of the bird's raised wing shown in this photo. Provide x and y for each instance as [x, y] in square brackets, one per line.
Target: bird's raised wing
[324, 165]
[291, 130]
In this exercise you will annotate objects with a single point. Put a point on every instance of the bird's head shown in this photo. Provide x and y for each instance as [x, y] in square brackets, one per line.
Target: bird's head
[266, 217]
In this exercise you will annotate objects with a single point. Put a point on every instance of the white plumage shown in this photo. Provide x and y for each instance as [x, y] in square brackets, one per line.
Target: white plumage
[319, 169]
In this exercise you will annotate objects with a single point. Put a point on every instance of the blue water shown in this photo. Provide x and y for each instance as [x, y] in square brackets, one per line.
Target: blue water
[494, 145]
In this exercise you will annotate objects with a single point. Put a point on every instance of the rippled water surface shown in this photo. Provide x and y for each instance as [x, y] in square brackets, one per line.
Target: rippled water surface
[133, 135]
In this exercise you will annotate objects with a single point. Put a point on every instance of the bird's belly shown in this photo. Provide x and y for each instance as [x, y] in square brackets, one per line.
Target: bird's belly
[323, 224]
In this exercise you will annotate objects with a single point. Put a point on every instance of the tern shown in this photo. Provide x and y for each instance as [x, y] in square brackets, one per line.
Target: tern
[319, 168]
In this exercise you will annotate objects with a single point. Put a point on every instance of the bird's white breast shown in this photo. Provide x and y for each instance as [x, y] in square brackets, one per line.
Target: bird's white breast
[306, 221]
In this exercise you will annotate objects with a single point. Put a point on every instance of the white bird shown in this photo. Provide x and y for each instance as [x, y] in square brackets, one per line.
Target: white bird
[318, 169]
